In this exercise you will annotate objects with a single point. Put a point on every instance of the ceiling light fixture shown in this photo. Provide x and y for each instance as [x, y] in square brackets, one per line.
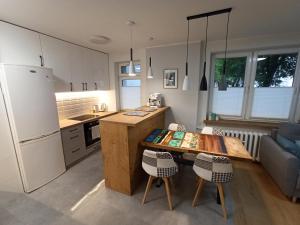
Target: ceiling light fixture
[131, 69]
[203, 84]
[149, 72]
[186, 85]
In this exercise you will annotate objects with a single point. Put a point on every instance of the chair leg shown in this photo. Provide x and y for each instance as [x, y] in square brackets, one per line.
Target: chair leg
[167, 185]
[149, 183]
[221, 192]
[200, 184]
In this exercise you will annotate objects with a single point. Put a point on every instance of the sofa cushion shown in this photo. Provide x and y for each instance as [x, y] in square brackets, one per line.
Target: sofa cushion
[289, 145]
[290, 131]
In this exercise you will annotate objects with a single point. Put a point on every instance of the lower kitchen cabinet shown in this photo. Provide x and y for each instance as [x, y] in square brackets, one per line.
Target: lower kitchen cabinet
[73, 144]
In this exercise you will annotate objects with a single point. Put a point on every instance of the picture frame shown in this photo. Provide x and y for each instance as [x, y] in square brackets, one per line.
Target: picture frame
[170, 78]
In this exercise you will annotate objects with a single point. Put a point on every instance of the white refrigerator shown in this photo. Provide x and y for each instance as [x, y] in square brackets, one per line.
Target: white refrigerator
[31, 153]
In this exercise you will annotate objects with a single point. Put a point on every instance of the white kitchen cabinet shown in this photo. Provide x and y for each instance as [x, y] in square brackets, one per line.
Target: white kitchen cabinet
[104, 78]
[19, 46]
[96, 67]
[77, 65]
[57, 56]
[75, 68]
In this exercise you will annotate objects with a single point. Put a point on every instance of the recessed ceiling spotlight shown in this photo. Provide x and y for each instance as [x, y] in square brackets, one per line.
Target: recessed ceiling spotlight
[99, 39]
[151, 38]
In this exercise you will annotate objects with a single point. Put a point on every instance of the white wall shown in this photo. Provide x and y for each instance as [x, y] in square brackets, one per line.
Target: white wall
[183, 103]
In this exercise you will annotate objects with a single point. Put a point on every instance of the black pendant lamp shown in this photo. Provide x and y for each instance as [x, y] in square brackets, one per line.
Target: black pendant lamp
[203, 84]
[222, 85]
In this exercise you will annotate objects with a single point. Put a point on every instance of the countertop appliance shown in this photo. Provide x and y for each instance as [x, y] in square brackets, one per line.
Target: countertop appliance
[95, 108]
[31, 148]
[155, 100]
[103, 107]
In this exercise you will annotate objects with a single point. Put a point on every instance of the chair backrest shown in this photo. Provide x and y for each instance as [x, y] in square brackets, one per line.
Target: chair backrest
[159, 164]
[213, 131]
[216, 169]
[176, 127]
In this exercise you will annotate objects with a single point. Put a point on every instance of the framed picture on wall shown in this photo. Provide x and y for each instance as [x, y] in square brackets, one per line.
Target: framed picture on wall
[170, 78]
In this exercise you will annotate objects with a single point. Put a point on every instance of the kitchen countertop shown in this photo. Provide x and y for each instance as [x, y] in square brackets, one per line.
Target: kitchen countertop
[132, 120]
[65, 123]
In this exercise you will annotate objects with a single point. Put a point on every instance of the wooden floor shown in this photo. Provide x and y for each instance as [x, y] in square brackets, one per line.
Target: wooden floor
[258, 200]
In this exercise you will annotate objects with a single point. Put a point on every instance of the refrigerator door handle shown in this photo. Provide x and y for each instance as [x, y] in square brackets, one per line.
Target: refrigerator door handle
[40, 137]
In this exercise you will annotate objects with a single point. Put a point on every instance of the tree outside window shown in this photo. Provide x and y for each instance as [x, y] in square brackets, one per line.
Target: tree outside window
[235, 71]
[275, 70]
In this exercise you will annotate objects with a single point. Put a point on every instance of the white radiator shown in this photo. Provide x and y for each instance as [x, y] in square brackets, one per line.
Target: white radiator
[250, 139]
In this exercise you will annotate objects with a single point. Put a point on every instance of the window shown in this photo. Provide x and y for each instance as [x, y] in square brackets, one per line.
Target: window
[124, 68]
[265, 93]
[233, 97]
[131, 83]
[273, 85]
[130, 93]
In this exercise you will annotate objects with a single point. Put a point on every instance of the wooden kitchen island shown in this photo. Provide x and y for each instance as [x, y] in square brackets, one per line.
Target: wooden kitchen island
[122, 153]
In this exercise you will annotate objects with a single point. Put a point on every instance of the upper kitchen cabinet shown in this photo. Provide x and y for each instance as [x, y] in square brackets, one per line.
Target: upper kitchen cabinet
[103, 59]
[96, 67]
[78, 74]
[57, 56]
[19, 46]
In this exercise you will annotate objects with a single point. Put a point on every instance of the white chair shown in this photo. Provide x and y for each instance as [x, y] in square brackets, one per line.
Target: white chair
[215, 169]
[213, 131]
[176, 127]
[159, 165]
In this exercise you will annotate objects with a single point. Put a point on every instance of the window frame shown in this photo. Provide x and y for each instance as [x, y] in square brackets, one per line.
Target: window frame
[250, 73]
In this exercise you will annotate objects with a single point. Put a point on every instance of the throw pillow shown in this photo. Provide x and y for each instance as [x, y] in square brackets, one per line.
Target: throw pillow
[288, 145]
[297, 143]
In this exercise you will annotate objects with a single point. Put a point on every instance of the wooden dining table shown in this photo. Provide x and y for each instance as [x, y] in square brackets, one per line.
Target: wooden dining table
[193, 142]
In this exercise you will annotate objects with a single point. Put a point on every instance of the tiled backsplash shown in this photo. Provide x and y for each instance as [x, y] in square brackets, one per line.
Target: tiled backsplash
[71, 107]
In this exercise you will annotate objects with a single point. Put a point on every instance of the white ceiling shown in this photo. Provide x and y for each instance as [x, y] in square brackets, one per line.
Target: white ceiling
[165, 20]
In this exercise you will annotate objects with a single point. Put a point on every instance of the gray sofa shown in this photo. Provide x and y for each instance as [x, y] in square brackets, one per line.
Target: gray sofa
[283, 166]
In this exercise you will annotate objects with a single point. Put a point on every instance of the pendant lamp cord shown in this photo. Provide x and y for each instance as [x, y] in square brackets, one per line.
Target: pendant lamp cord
[206, 38]
[187, 49]
[224, 69]
[131, 43]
